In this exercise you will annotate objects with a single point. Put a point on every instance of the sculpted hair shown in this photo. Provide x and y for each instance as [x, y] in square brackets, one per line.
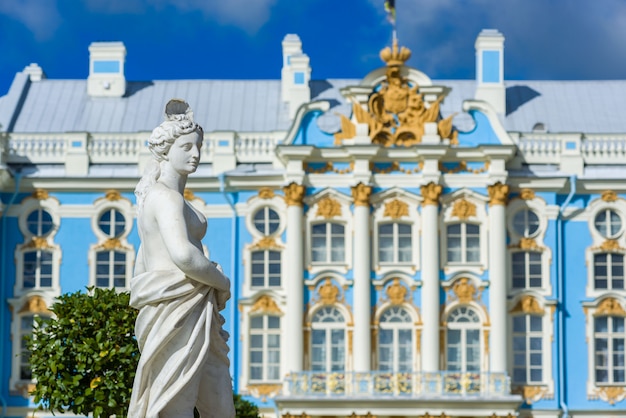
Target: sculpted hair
[178, 121]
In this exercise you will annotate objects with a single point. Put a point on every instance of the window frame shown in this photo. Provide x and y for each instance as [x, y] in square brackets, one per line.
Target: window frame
[395, 327]
[463, 327]
[463, 235]
[527, 335]
[266, 220]
[328, 238]
[266, 268]
[395, 237]
[327, 328]
[264, 332]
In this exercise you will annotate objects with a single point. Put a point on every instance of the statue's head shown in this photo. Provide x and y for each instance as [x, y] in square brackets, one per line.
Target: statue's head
[178, 121]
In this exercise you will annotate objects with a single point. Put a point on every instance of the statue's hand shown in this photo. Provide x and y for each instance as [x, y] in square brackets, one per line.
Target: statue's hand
[222, 298]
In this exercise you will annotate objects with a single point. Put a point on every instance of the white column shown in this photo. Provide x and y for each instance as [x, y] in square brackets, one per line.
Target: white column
[294, 284]
[498, 194]
[362, 283]
[430, 277]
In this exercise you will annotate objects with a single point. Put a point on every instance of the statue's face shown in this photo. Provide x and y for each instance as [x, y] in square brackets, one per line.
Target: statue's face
[184, 154]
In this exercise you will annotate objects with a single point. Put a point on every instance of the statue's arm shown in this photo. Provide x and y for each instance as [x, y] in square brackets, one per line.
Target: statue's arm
[169, 214]
[140, 267]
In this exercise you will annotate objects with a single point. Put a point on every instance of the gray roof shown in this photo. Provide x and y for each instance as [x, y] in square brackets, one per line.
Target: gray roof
[255, 105]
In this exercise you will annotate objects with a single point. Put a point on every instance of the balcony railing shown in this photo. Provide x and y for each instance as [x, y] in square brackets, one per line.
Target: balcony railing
[410, 385]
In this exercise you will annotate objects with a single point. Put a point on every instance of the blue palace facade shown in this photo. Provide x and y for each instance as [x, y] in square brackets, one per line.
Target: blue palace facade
[398, 246]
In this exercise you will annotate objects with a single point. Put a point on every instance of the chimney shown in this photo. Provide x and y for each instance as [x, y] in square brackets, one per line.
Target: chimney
[490, 69]
[295, 75]
[106, 69]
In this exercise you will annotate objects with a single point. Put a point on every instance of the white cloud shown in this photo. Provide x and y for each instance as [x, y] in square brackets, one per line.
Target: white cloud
[41, 17]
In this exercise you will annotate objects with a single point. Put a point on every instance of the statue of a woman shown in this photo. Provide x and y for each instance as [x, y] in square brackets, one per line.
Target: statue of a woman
[177, 289]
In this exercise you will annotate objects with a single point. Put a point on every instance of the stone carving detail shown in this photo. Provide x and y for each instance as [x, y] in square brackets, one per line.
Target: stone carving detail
[396, 292]
[431, 193]
[361, 194]
[266, 193]
[609, 196]
[111, 244]
[396, 209]
[294, 194]
[40, 194]
[528, 244]
[113, 195]
[328, 208]
[528, 305]
[328, 167]
[264, 391]
[39, 243]
[328, 293]
[464, 290]
[609, 245]
[463, 209]
[266, 305]
[532, 393]
[527, 194]
[610, 306]
[498, 194]
[35, 304]
[266, 243]
[397, 114]
[611, 394]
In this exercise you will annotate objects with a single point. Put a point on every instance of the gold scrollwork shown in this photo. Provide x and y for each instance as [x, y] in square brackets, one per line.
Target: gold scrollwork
[40, 194]
[328, 292]
[431, 193]
[294, 194]
[327, 168]
[527, 194]
[266, 243]
[266, 193]
[266, 305]
[189, 195]
[361, 194]
[328, 208]
[527, 244]
[463, 167]
[609, 196]
[531, 393]
[395, 166]
[463, 209]
[609, 245]
[528, 305]
[498, 194]
[264, 391]
[38, 243]
[610, 306]
[36, 305]
[396, 209]
[611, 394]
[396, 293]
[464, 290]
[112, 195]
[111, 244]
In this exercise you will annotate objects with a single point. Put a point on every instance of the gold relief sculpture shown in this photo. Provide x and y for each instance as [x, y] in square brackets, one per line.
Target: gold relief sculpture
[328, 208]
[264, 390]
[350, 341]
[266, 305]
[498, 194]
[431, 193]
[528, 244]
[486, 338]
[294, 194]
[611, 394]
[328, 167]
[396, 292]
[530, 393]
[464, 290]
[38, 243]
[610, 306]
[396, 114]
[528, 305]
[462, 167]
[527, 194]
[328, 292]
[463, 209]
[395, 166]
[40, 194]
[361, 194]
[266, 193]
[396, 209]
[36, 305]
[418, 341]
[112, 244]
[266, 243]
[609, 196]
[113, 195]
[609, 245]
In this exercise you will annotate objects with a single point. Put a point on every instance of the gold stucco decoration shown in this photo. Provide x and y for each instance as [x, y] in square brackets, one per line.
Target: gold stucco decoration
[527, 194]
[328, 168]
[189, 195]
[396, 209]
[528, 244]
[266, 193]
[527, 305]
[265, 390]
[328, 293]
[531, 393]
[462, 167]
[368, 415]
[294, 194]
[396, 292]
[266, 305]
[498, 194]
[38, 243]
[464, 290]
[266, 243]
[113, 195]
[328, 208]
[611, 394]
[396, 114]
[303, 415]
[431, 193]
[610, 245]
[609, 196]
[111, 244]
[463, 209]
[610, 306]
[40, 194]
[361, 194]
[395, 166]
[35, 305]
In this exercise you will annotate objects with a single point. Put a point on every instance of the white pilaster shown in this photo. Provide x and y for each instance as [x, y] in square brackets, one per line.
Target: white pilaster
[362, 282]
[294, 285]
[498, 342]
[430, 277]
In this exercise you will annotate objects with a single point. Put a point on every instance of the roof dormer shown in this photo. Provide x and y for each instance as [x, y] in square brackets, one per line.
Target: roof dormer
[106, 69]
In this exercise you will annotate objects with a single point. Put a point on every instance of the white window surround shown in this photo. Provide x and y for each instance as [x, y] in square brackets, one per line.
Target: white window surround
[34, 304]
[268, 329]
[248, 289]
[342, 216]
[468, 330]
[540, 208]
[410, 217]
[30, 204]
[415, 327]
[347, 325]
[329, 321]
[600, 307]
[480, 218]
[539, 307]
[102, 205]
[277, 204]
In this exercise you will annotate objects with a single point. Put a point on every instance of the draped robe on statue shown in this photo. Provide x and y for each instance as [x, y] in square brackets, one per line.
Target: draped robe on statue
[179, 332]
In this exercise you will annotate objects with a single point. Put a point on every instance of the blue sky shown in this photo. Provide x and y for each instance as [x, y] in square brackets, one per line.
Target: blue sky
[234, 39]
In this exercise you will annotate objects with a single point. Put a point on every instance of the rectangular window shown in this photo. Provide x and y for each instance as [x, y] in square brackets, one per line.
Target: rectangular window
[328, 243]
[491, 67]
[609, 336]
[37, 269]
[608, 271]
[526, 270]
[106, 67]
[265, 268]
[463, 240]
[527, 349]
[264, 348]
[110, 269]
[395, 243]
[298, 78]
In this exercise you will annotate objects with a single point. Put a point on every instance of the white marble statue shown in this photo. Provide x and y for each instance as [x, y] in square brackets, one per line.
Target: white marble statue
[177, 289]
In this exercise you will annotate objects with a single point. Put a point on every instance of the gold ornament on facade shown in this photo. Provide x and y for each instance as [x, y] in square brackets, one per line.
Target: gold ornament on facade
[463, 168]
[303, 415]
[498, 194]
[396, 293]
[266, 193]
[328, 293]
[464, 290]
[395, 166]
[328, 208]
[294, 194]
[38, 243]
[111, 244]
[609, 245]
[396, 209]
[609, 196]
[35, 305]
[610, 306]
[25, 389]
[463, 209]
[611, 394]
[189, 195]
[368, 415]
[40, 194]
[431, 193]
[528, 305]
[266, 305]
[361, 194]
[527, 244]
[329, 167]
[112, 195]
[530, 393]
[266, 243]
[264, 391]
[396, 114]
[527, 194]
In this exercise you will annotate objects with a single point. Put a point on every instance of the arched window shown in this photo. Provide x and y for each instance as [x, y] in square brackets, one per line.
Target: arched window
[265, 268]
[463, 240]
[395, 341]
[394, 243]
[111, 269]
[328, 340]
[528, 353]
[463, 340]
[264, 348]
[608, 271]
[609, 336]
[328, 243]
[38, 269]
